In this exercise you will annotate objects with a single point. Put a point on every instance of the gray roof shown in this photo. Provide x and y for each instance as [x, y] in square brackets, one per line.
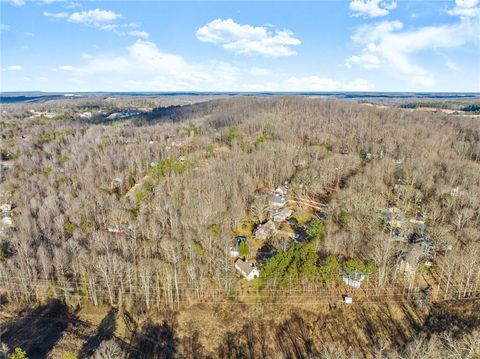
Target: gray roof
[244, 266]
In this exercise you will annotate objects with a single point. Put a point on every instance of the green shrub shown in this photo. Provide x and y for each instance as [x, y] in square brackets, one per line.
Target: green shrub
[243, 249]
[316, 230]
[69, 227]
[18, 354]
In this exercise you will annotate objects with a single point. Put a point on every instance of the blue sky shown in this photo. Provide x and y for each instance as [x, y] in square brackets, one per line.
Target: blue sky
[349, 45]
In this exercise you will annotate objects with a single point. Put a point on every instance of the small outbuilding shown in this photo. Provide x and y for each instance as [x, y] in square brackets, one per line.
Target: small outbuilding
[234, 252]
[347, 299]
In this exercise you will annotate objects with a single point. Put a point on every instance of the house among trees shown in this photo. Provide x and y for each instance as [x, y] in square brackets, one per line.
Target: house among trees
[423, 241]
[248, 270]
[6, 207]
[282, 215]
[354, 280]
[5, 222]
[394, 218]
[408, 261]
[277, 201]
[265, 230]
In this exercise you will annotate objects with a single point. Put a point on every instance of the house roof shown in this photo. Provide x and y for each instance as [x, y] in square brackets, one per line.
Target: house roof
[284, 212]
[244, 266]
[267, 227]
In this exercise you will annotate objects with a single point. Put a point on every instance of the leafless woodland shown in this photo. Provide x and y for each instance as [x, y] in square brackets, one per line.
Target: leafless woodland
[92, 224]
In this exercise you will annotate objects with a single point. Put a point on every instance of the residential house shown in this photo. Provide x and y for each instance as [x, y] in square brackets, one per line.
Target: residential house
[6, 207]
[282, 215]
[114, 116]
[277, 201]
[248, 270]
[353, 281]
[86, 115]
[410, 259]
[395, 220]
[5, 222]
[419, 219]
[265, 230]
[454, 192]
[423, 241]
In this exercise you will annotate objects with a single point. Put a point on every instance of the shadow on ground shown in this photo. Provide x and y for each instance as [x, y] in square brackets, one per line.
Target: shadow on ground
[38, 330]
[105, 331]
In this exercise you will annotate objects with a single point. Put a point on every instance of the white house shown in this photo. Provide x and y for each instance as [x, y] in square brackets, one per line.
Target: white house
[353, 280]
[6, 207]
[282, 215]
[248, 270]
[6, 222]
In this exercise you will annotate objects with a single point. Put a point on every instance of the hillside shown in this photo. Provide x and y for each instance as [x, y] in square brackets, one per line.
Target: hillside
[128, 218]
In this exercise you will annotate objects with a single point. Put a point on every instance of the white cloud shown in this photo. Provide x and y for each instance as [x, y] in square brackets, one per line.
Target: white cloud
[4, 27]
[13, 68]
[465, 8]
[367, 60]
[67, 68]
[386, 43]
[95, 17]
[58, 15]
[28, 33]
[371, 8]
[101, 19]
[138, 33]
[248, 39]
[17, 2]
[144, 67]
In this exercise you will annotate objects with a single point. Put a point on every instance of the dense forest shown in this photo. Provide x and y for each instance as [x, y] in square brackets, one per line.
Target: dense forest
[135, 204]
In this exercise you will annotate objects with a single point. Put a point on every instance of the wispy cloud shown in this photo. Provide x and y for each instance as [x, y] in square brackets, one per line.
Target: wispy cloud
[17, 2]
[388, 44]
[138, 33]
[144, 66]
[371, 8]
[13, 68]
[465, 8]
[248, 39]
[98, 18]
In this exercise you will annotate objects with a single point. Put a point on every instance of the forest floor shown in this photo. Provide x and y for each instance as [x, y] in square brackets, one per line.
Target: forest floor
[236, 329]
